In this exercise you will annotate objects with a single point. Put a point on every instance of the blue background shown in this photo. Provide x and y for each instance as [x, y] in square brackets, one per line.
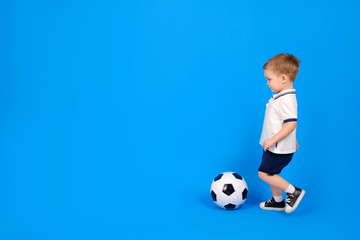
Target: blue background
[117, 115]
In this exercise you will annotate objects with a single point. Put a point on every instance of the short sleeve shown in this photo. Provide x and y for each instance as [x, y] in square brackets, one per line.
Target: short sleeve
[288, 109]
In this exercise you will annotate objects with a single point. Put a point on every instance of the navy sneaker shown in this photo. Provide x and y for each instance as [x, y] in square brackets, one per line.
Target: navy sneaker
[273, 205]
[293, 199]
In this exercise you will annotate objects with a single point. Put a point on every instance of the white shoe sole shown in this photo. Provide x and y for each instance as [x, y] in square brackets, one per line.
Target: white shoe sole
[289, 209]
[269, 208]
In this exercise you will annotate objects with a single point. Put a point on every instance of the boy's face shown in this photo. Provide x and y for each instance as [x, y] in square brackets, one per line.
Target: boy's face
[275, 81]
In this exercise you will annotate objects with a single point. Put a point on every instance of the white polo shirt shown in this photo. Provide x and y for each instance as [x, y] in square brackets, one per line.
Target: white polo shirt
[281, 109]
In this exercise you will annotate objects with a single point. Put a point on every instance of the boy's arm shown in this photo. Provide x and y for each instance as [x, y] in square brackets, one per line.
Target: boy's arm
[286, 130]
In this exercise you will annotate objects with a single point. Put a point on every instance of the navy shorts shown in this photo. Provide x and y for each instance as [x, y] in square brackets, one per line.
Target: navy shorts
[273, 163]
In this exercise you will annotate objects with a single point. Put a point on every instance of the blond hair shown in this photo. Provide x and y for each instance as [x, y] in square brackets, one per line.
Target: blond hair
[284, 63]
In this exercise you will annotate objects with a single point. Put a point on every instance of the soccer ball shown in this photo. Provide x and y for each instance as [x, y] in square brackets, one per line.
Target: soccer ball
[229, 190]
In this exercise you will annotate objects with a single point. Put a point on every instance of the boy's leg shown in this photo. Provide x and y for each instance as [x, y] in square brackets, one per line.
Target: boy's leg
[277, 193]
[293, 197]
[274, 180]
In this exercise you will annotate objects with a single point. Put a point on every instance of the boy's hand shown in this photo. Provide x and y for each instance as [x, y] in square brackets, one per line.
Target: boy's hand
[268, 143]
[297, 145]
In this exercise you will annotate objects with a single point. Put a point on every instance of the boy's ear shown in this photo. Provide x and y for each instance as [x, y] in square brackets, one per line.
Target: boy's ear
[284, 78]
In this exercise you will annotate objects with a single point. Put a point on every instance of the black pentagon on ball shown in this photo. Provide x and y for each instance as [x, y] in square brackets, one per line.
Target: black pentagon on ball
[218, 177]
[244, 194]
[237, 176]
[213, 195]
[230, 206]
[228, 189]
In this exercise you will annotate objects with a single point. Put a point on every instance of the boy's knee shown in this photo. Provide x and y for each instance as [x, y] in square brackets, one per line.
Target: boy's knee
[262, 175]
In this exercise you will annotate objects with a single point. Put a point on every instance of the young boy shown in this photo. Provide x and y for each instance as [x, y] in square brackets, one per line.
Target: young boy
[278, 137]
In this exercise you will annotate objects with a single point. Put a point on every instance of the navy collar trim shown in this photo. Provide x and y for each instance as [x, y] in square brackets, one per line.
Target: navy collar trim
[283, 94]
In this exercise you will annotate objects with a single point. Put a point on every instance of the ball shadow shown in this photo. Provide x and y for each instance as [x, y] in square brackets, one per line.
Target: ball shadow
[205, 200]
